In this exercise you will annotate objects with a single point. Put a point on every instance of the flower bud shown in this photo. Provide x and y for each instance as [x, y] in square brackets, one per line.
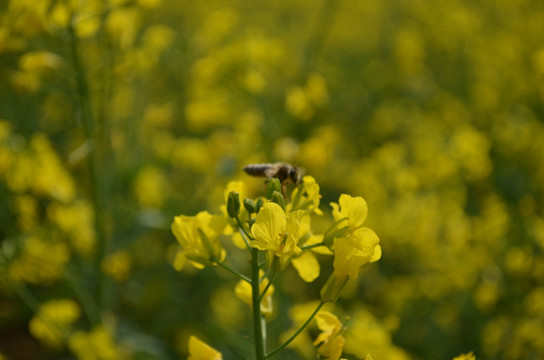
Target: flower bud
[277, 197]
[259, 204]
[250, 206]
[330, 292]
[272, 185]
[233, 204]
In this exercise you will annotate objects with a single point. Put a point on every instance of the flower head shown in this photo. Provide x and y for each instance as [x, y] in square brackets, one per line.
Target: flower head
[306, 196]
[354, 251]
[353, 209]
[277, 232]
[199, 237]
[330, 340]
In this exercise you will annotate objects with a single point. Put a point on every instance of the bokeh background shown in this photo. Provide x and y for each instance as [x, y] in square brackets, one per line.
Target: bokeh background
[117, 115]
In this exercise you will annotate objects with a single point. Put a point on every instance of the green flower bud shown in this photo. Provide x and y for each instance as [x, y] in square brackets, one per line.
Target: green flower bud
[250, 206]
[233, 204]
[259, 204]
[272, 185]
[277, 197]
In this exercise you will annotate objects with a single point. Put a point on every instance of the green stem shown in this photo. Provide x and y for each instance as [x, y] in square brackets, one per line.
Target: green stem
[91, 135]
[82, 293]
[272, 353]
[28, 298]
[256, 306]
[270, 281]
[244, 233]
[234, 272]
[306, 247]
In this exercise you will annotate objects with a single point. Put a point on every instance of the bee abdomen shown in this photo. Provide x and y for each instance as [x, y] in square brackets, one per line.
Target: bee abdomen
[257, 169]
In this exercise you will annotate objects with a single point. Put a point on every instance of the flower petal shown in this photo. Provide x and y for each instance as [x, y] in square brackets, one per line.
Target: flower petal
[307, 266]
[269, 223]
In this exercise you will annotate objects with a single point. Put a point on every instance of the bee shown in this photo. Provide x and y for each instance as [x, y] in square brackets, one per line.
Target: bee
[285, 172]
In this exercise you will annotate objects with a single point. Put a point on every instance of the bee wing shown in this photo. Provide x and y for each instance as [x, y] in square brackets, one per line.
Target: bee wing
[270, 171]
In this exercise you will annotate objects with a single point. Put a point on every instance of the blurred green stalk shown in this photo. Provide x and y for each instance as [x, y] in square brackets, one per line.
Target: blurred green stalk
[88, 124]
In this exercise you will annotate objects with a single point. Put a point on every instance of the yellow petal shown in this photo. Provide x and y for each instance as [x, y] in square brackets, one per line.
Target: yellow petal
[354, 251]
[307, 266]
[269, 223]
[354, 208]
[327, 322]
[199, 350]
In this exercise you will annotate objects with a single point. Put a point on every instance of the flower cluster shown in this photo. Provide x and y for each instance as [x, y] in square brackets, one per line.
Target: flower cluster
[276, 230]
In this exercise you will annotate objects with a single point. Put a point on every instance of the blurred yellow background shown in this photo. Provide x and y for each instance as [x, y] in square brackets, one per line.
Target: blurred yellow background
[117, 115]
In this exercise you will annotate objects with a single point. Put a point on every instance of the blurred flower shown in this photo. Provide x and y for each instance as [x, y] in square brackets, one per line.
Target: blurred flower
[117, 265]
[40, 261]
[39, 62]
[98, 344]
[199, 350]
[150, 187]
[199, 238]
[467, 356]
[368, 335]
[302, 101]
[39, 169]
[51, 324]
[330, 340]
[244, 292]
[77, 221]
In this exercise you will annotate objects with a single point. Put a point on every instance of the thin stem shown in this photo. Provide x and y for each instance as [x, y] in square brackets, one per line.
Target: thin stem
[28, 298]
[272, 353]
[270, 281]
[234, 272]
[91, 134]
[306, 247]
[256, 306]
[244, 233]
[85, 298]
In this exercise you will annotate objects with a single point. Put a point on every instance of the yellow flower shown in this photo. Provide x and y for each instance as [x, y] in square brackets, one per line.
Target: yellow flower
[52, 321]
[98, 344]
[277, 232]
[353, 251]
[354, 247]
[353, 209]
[199, 237]
[243, 292]
[199, 350]
[469, 356]
[330, 340]
[306, 196]
[117, 265]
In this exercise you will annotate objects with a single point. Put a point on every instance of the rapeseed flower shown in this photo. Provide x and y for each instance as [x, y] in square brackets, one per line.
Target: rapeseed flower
[95, 344]
[330, 340]
[199, 238]
[277, 232]
[51, 323]
[306, 196]
[353, 247]
[353, 209]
